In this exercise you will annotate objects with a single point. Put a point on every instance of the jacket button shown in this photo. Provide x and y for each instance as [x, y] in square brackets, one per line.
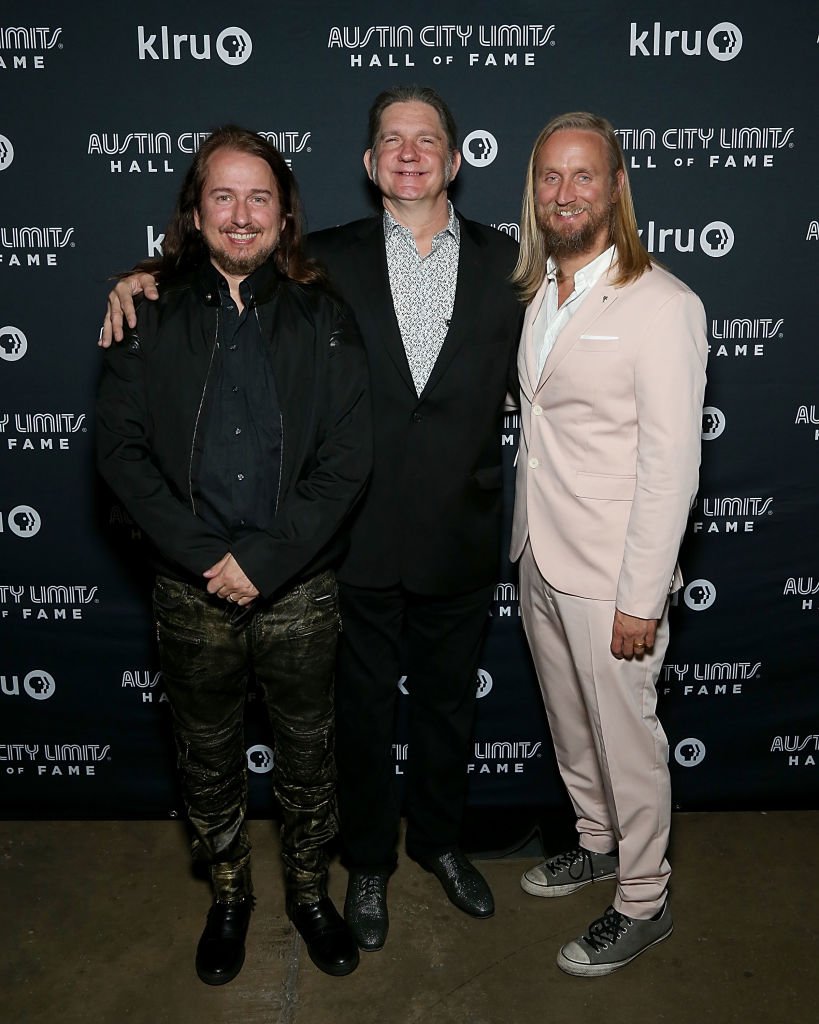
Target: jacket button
[534, 463]
[537, 410]
[417, 417]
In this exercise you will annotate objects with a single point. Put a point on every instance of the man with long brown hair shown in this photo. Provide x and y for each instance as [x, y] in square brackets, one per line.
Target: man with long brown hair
[612, 374]
[234, 423]
[440, 321]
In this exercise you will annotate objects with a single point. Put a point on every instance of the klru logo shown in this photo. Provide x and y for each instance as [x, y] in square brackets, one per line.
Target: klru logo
[233, 45]
[716, 239]
[723, 43]
[38, 684]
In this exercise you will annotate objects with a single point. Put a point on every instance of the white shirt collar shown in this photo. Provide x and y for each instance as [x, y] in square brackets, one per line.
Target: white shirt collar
[588, 276]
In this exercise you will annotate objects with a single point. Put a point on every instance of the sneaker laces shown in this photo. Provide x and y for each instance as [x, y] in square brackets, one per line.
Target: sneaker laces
[568, 860]
[606, 930]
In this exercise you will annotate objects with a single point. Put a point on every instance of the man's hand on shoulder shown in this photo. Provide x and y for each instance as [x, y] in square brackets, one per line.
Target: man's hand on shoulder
[631, 637]
[121, 306]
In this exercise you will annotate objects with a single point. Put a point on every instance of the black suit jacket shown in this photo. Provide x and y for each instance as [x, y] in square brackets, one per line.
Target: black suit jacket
[430, 518]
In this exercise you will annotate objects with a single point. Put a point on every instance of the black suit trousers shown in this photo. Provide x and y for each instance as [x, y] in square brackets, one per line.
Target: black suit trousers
[436, 641]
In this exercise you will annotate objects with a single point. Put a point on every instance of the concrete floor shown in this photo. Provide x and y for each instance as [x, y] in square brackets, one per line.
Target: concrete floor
[100, 922]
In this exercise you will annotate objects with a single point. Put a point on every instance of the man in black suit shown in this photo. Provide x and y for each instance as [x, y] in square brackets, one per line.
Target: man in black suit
[440, 323]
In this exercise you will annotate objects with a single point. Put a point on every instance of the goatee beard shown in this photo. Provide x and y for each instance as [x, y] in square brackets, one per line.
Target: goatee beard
[559, 244]
[242, 264]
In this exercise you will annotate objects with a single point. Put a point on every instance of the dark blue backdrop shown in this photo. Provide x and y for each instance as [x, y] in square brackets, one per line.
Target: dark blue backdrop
[716, 110]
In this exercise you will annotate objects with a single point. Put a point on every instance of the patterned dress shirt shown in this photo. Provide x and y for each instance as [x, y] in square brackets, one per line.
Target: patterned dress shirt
[423, 291]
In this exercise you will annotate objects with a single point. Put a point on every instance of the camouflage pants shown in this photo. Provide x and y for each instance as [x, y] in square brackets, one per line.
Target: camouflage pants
[289, 647]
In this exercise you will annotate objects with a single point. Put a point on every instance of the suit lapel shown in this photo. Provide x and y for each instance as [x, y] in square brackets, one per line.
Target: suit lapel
[376, 297]
[527, 358]
[601, 298]
[462, 324]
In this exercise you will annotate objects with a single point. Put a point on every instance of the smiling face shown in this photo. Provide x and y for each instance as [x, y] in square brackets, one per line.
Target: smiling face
[411, 160]
[239, 212]
[575, 193]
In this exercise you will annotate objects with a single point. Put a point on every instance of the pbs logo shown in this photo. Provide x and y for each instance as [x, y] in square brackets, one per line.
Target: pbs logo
[39, 684]
[485, 683]
[13, 344]
[713, 423]
[724, 41]
[689, 752]
[234, 46]
[700, 595]
[717, 239]
[23, 521]
[259, 759]
[480, 148]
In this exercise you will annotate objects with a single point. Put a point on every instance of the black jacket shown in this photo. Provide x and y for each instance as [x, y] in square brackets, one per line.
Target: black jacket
[431, 516]
[149, 435]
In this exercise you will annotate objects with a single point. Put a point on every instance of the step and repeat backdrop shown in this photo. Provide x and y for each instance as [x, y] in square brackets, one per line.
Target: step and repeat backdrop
[715, 104]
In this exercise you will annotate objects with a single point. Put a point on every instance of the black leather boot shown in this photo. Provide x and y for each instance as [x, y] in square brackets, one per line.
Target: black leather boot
[329, 943]
[221, 950]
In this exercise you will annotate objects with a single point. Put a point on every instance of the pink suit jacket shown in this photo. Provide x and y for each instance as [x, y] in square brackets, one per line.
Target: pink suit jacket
[610, 442]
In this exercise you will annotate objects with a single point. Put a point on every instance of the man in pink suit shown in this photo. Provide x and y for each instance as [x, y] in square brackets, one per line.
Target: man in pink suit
[612, 374]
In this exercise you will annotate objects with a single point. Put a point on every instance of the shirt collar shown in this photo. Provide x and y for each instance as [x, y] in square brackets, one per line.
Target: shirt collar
[588, 276]
[253, 286]
[453, 226]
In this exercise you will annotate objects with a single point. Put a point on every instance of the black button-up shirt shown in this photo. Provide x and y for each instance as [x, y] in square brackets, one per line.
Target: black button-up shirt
[237, 480]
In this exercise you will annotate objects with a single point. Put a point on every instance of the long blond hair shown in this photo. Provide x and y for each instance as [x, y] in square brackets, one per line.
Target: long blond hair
[632, 258]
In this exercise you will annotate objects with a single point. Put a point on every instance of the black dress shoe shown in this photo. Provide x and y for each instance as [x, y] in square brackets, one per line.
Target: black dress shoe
[463, 883]
[221, 950]
[365, 908]
[329, 943]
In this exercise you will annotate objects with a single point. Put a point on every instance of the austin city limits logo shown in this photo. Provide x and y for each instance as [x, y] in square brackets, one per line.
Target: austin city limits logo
[26, 45]
[233, 45]
[723, 42]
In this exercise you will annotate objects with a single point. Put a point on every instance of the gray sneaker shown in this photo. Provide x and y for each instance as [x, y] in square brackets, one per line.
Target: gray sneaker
[569, 872]
[613, 941]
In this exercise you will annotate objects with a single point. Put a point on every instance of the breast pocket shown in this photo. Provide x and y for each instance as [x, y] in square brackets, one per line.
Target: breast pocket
[598, 343]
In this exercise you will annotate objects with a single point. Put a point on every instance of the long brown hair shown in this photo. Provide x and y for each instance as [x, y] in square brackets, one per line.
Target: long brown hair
[632, 257]
[183, 248]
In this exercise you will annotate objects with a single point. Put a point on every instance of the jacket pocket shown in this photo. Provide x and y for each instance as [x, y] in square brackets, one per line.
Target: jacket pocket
[605, 485]
[597, 343]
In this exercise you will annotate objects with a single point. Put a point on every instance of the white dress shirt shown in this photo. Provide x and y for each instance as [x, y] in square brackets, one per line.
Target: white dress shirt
[551, 320]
